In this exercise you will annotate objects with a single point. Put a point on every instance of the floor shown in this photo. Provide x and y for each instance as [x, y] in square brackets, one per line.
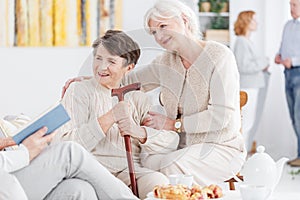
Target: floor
[287, 189]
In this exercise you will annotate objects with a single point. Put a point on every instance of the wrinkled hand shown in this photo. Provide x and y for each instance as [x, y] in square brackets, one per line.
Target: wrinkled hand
[6, 142]
[158, 121]
[128, 127]
[71, 80]
[277, 59]
[121, 111]
[287, 63]
[37, 142]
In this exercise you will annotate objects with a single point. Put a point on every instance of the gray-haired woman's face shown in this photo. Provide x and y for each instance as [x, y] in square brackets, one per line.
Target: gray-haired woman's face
[168, 32]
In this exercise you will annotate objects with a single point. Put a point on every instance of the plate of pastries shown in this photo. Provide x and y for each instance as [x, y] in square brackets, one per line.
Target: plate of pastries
[182, 192]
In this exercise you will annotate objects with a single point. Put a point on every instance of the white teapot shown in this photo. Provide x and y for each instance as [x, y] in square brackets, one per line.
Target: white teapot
[261, 170]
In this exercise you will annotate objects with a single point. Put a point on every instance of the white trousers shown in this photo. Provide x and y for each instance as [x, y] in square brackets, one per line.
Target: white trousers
[208, 163]
[10, 189]
[147, 179]
[68, 171]
[73, 189]
[249, 115]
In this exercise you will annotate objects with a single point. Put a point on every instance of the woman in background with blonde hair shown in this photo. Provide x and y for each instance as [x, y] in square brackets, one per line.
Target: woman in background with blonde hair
[254, 75]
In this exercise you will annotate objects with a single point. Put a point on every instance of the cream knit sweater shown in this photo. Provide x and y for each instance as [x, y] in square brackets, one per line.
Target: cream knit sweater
[207, 92]
[86, 101]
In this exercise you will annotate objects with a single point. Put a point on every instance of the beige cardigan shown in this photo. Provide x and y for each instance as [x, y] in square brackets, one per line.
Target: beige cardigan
[208, 93]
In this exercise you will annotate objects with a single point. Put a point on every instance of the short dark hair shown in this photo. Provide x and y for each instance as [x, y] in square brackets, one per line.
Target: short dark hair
[120, 44]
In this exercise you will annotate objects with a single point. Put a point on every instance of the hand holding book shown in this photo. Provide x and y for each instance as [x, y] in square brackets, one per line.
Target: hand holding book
[52, 119]
[36, 142]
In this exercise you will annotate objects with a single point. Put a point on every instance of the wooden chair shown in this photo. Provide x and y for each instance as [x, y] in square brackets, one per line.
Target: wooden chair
[243, 101]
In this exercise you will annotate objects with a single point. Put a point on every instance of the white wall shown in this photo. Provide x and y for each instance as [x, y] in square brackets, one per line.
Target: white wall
[31, 78]
[276, 131]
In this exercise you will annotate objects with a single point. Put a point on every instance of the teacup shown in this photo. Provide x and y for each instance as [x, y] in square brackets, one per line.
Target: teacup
[175, 179]
[255, 192]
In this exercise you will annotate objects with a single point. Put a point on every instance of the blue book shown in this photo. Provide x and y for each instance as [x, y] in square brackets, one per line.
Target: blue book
[52, 118]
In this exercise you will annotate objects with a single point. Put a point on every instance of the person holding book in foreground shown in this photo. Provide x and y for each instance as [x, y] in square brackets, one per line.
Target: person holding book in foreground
[96, 117]
[62, 171]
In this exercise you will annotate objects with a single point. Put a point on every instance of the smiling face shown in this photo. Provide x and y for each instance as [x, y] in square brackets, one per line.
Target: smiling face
[295, 8]
[109, 69]
[168, 33]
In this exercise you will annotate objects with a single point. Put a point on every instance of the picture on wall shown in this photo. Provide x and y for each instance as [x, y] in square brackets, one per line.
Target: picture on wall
[72, 23]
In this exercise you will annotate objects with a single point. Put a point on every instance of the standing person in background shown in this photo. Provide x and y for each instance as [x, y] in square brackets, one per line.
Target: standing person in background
[254, 75]
[289, 57]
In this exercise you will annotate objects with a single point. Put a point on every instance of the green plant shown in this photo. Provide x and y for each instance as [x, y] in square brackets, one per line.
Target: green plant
[294, 173]
[217, 5]
[219, 22]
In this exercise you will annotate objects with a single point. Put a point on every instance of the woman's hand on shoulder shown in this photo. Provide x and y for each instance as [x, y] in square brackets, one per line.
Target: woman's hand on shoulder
[71, 80]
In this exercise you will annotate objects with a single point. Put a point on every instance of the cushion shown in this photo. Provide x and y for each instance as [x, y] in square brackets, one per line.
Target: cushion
[11, 123]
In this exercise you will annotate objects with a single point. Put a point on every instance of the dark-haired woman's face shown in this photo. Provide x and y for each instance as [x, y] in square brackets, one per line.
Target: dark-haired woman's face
[108, 69]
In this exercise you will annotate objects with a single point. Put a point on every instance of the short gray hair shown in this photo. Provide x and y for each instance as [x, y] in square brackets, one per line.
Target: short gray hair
[168, 9]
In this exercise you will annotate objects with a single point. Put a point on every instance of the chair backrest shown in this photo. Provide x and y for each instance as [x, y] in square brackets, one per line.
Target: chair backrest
[243, 101]
[243, 98]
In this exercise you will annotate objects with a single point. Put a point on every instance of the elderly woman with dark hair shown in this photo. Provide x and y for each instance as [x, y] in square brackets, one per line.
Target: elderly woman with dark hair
[96, 117]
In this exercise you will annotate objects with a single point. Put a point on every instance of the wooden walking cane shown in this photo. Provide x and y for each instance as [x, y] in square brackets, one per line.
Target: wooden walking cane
[120, 93]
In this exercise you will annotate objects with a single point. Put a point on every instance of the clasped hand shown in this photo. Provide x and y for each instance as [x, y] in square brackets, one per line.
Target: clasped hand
[123, 117]
[287, 63]
[158, 121]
